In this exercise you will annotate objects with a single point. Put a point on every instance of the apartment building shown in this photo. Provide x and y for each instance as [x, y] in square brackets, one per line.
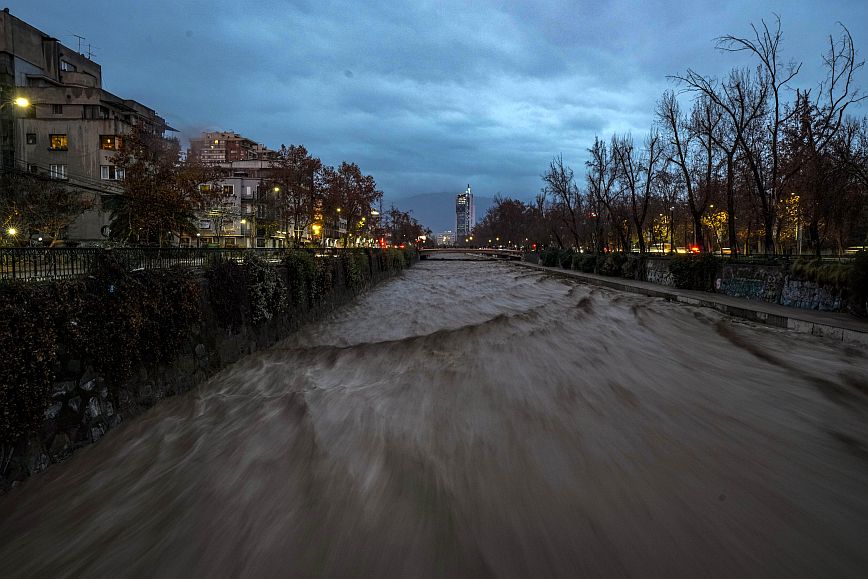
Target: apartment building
[72, 127]
[227, 147]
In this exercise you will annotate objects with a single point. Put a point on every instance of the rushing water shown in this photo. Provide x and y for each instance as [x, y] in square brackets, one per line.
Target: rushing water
[474, 420]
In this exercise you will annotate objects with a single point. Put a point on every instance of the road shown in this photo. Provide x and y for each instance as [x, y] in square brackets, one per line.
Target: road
[479, 420]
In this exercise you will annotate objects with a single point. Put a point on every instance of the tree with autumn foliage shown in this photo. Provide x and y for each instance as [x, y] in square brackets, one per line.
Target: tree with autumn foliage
[402, 227]
[295, 189]
[161, 193]
[351, 195]
[34, 204]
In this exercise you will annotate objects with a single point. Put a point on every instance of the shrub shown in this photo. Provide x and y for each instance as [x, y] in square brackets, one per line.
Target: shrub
[266, 291]
[356, 266]
[112, 322]
[634, 267]
[589, 263]
[396, 259]
[696, 272]
[611, 264]
[858, 284]
[550, 257]
[28, 347]
[565, 258]
[227, 293]
[834, 275]
[300, 277]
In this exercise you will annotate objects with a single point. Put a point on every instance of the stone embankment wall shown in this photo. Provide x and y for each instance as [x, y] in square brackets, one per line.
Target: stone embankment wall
[657, 271]
[776, 284]
[783, 282]
[81, 404]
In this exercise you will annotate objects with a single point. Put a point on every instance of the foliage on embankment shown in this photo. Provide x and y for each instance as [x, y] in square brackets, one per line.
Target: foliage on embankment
[116, 322]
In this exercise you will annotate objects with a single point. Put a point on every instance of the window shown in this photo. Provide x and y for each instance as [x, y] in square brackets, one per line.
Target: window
[110, 142]
[57, 171]
[228, 189]
[31, 138]
[94, 112]
[111, 173]
[67, 67]
[58, 142]
[34, 169]
[56, 109]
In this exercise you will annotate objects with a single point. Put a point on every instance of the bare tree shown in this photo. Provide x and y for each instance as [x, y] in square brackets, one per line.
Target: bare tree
[763, 149]
[559, 182]
[602, 176]
[637, 173]
[691, 151]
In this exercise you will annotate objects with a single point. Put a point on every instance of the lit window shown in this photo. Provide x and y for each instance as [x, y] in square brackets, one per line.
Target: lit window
[57, 171]
[31, 138]
[111, 173]
[228, 189]
[58, 142]
[109, 142]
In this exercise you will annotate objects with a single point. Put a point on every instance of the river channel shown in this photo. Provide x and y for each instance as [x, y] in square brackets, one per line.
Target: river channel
[479, 419]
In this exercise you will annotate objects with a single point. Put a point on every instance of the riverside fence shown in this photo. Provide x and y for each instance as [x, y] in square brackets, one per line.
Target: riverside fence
[44, 264]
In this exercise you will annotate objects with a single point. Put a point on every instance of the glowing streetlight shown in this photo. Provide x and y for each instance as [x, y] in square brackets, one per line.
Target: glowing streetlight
[22, 102]
[243, 222]
[12, 231]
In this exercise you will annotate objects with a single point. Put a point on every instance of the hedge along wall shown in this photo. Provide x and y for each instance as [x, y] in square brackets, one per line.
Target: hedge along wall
[79, 357]
[804, 283]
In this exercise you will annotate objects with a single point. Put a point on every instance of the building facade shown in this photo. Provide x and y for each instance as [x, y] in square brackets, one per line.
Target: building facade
[465, 215]
[227, 147]
[246, 213]
[446, 238]
[72, 127]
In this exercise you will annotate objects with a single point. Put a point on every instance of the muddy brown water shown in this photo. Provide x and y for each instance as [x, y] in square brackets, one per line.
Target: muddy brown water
[479, 420]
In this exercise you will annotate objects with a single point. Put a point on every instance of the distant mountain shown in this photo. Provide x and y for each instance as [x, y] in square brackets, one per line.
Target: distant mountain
[436, 210]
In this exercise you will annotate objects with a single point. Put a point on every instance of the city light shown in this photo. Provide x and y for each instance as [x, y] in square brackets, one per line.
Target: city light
[12, 231]
[22, 102]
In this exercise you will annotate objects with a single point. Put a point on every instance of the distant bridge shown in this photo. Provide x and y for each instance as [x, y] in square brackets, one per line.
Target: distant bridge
[426, 252]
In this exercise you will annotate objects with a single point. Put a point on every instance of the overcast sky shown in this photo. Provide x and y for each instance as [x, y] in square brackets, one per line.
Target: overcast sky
[425, 96]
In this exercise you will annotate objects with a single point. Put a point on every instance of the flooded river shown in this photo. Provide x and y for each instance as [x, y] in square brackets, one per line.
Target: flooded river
[479, 419]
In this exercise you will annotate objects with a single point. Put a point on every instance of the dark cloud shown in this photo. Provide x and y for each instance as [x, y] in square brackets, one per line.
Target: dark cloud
[430, 95]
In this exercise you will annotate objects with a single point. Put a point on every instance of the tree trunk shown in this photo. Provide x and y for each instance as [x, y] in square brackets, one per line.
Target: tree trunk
[730, 206]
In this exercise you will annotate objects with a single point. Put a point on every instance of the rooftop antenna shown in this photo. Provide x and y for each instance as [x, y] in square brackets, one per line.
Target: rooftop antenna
[80, 38]
[90, 50]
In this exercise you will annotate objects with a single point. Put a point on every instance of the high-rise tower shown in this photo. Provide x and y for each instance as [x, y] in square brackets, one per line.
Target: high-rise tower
[465, 215]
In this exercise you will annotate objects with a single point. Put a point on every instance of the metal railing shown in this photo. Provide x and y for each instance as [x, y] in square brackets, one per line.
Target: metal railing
[43, 264]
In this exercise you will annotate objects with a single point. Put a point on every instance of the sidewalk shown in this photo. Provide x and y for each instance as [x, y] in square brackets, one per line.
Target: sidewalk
[833, 325]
